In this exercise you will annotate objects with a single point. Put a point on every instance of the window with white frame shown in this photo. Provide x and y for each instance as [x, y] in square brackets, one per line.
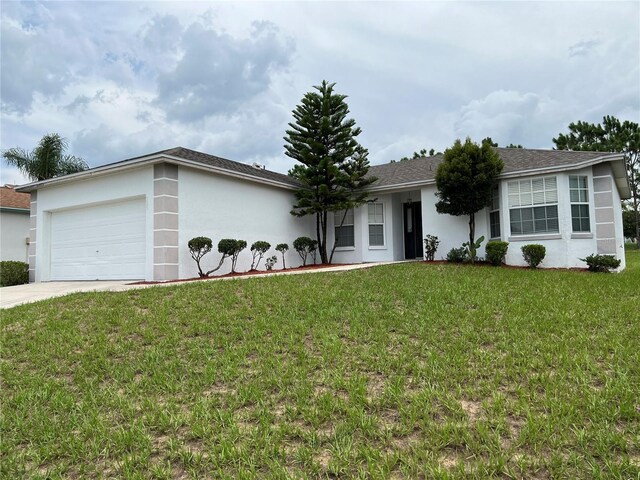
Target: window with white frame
[579, 197]
[494, 213]
[533, 206]
[376, 225]
[344, 234]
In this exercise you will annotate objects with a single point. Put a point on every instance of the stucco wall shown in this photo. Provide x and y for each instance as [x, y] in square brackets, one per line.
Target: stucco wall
[92, 191]
[564, 249]
[219, 207]
[13, 235]
[452, 231]
[362, 251]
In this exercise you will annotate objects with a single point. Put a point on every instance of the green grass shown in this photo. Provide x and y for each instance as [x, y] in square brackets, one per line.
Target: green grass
[401, 371]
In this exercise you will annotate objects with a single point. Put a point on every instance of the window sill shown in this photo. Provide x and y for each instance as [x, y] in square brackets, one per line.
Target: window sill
[345, 249]
[378, 247]
[526, 238]
[582, 235]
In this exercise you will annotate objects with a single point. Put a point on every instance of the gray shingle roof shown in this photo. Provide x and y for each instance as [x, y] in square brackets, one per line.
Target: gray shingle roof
[415, 171]
[230, 165]
[423, 169]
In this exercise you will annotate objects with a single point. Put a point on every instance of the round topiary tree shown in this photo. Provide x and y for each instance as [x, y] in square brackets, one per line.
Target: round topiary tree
[258, 249]
[465, 179]
[198, 248]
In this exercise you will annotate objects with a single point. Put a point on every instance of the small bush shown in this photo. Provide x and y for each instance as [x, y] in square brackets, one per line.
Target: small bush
[270, 262]
[457, 255]
[533, 254]
[472, 248]
[13, 273]
[305, 246]
[258, 249]
[282, 248]
[601, 263]
[198, 248]
[230, 247]
[496, 251]
[431, 243]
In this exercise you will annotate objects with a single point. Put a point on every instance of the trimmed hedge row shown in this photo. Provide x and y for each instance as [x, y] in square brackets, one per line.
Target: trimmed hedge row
[231, 248]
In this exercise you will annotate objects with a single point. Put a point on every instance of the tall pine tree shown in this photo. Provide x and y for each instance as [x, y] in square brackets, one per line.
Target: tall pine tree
[333, 166]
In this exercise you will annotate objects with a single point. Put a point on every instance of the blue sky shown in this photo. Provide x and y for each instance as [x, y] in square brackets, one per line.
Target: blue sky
[120, 79]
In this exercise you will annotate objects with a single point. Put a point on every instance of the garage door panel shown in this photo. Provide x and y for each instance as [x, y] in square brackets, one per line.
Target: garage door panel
[105, 242]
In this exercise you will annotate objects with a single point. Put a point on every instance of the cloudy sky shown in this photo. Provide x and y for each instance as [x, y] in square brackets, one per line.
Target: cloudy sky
[124, 79]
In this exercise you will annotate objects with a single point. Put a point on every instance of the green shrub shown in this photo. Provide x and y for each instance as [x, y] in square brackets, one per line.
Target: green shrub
[496, 251]
[282, 248]
[258, 249]
[601, 263]
[198, 248]
[472, 248]
[230, 247]
[305, 246]
[533, 254]
[457, 255]
[13, 273]
[270, 262]
[431, 243]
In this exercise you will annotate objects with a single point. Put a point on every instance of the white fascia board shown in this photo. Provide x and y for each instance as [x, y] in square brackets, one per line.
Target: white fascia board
[151, 160]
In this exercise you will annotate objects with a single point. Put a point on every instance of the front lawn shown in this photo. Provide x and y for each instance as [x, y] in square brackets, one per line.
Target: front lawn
[400, 371]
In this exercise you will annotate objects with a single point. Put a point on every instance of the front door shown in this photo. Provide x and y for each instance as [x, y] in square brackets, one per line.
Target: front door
[412, 230]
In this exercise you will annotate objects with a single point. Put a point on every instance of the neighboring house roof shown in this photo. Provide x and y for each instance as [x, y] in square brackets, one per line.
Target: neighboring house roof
[12, 200]
[397, 175]
[517, 162]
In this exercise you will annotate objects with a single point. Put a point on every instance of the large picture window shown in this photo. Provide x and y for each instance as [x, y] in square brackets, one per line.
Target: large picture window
[376, 225]
[579, 196]
[494, 212]
[344, 234]
[533, 206]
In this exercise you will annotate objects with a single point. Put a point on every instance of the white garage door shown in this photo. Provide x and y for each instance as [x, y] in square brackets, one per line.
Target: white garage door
[103, 242]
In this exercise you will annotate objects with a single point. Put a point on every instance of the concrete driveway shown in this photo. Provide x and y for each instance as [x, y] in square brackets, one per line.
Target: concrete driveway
[33, 292]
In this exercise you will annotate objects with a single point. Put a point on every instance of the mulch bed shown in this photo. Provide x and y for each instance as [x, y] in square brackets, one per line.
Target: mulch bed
[481, 263]
[241, 274]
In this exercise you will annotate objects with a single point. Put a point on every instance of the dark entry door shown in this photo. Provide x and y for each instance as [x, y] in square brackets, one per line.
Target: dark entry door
[412, 230]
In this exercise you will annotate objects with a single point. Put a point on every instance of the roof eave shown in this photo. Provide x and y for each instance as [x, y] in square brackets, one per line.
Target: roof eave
[15, 209]
[617, 161]
[150, 160]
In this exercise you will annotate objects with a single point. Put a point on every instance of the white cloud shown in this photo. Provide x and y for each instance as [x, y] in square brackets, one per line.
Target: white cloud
[123, 79]
[217, 73]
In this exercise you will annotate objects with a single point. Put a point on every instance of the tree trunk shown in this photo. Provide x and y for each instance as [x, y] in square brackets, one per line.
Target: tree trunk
[472, 234]
[323, 250]
[318, 236]
[637, 209]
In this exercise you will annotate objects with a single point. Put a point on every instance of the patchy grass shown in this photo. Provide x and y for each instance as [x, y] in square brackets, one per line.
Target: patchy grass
[402, 371]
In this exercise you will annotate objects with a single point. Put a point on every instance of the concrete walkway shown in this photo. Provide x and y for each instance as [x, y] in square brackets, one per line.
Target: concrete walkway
[34, 292]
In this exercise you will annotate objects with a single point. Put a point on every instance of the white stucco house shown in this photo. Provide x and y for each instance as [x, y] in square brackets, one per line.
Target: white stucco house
[132, 219]
[14, 224]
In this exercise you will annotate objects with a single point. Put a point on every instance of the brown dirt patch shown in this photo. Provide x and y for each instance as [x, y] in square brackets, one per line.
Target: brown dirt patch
[406, 442]
[323, 458]
[375, 385]
[473, 409]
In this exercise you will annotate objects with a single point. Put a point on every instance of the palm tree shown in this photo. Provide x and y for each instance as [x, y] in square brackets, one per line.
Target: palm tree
[47, 160]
